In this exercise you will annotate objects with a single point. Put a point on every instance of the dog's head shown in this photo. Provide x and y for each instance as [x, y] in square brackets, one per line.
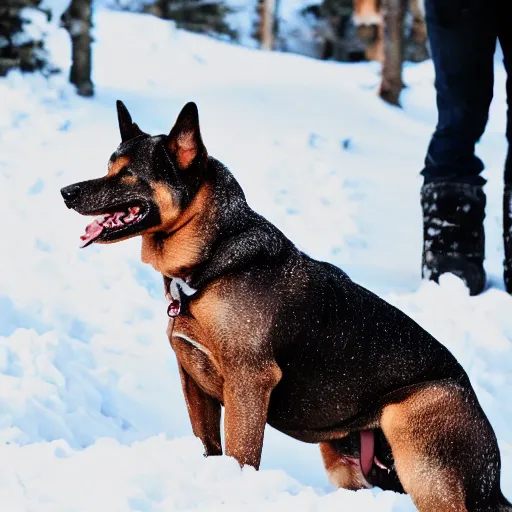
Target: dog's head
[150, 180]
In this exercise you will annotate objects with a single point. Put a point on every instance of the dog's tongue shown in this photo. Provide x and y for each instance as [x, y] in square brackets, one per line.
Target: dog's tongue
[108, 220]
[92, 231]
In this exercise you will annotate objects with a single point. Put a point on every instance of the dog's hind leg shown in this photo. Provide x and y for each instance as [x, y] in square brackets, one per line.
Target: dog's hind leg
[445, 450]
[352, 462]
[344, 471]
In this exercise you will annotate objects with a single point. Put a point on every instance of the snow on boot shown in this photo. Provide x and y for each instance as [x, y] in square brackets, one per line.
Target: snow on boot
[453, 233]
[507, 237]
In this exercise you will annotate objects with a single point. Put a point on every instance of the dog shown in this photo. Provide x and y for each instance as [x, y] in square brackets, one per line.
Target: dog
[276, 337]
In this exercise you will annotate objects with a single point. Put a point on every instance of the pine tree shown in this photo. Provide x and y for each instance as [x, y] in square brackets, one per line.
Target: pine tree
[22, 32]
[202, 16]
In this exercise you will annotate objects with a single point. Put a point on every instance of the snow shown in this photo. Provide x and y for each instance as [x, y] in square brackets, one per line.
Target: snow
[92, 417]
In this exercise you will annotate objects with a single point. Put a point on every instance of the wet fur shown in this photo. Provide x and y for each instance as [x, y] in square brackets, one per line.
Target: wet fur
[276, 337]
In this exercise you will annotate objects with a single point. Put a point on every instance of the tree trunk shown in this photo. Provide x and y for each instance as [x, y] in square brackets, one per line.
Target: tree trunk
[366, 13]
[78, 22]
[416, 50]
[267, 24]
[419, 27]
[21, 35]
[393, 14]
[367, 18]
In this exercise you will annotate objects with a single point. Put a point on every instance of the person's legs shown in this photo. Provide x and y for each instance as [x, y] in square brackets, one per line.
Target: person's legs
[462, 36]
[504, 21]
[504, 24]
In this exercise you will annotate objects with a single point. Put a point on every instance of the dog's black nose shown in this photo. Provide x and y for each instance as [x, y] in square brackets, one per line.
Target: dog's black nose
[70, 193]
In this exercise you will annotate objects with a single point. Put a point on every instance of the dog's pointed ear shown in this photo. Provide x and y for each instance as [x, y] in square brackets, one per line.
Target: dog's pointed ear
[185, 143]
[127, 127]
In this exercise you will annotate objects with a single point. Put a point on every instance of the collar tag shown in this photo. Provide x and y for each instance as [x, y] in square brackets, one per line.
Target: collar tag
[174, 308]
[177, 287]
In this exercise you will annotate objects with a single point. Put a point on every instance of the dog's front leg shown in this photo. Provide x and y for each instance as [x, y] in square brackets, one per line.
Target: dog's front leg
[204, 412]
[246, 400]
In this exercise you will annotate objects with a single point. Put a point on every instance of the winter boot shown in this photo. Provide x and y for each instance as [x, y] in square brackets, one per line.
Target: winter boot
[453, 233]
[507, 237]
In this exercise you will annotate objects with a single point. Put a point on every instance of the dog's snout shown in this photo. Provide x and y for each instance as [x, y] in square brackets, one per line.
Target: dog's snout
[70, 193]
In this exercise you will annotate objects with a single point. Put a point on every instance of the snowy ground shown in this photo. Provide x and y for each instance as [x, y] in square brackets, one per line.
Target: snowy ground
[91, 412]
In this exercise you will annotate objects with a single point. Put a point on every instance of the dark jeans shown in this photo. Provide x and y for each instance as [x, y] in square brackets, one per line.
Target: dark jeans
[463, 35]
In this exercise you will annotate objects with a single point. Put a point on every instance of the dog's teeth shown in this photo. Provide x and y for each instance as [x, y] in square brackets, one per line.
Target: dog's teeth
[118, 219]
[132, 215]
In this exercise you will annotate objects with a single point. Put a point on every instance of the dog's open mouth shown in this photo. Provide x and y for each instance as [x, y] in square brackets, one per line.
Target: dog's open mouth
[109, 223]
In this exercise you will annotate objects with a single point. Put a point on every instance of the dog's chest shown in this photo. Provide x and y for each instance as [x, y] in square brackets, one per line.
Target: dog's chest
[194, 355]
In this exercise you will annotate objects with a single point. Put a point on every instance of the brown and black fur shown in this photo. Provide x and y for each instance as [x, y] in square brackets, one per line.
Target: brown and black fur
[276, 337]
